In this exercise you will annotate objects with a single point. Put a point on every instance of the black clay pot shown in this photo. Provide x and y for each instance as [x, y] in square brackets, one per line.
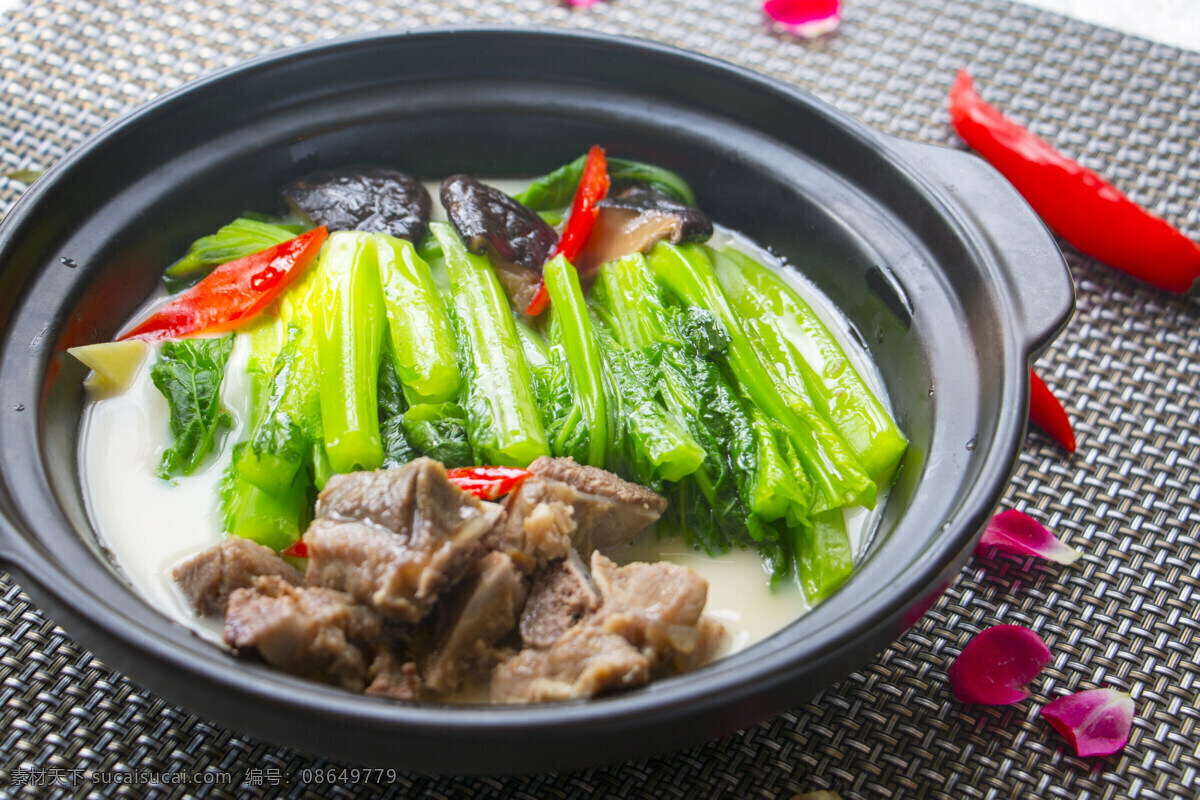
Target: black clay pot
[949, 277]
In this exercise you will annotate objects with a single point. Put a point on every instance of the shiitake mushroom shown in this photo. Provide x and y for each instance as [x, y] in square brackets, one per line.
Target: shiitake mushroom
[363, 198]
[637, 217]
[515, 239]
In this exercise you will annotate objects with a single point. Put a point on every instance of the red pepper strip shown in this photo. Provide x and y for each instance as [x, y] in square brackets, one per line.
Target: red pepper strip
[487, 483]
[1048, 414]
[1086, 210]
[593, 185]
[233, 292]
[297, 550]
[540, 301]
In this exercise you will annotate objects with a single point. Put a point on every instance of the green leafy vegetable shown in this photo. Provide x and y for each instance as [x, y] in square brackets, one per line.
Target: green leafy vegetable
[824, 559]
[687, 345]
[838, 476]
[503, 420]
[239, 238]
[350, 323]
[806, 358]
[278, 444]
[422, 340]
[439, 430]
[583, 430]
[189, 375]
[656, 446]
[273, 520]
[397, 449]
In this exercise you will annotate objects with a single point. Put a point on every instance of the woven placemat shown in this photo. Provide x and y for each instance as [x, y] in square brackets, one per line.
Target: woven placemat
[1126, 615]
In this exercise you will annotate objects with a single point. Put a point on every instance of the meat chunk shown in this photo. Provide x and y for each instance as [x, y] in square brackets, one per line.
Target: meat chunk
[608, 511]
[394, 677]
[538, 523]
[655, 607]
[583, 662]
[562, 595]
[315, 633]
[416, 501]
[395, 539]
[480, 612]
[648, 622]
[208, 578]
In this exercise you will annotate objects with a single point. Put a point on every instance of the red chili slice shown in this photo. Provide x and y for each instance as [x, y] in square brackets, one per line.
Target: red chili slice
[488, 483]
[593, 186]
[297, 550]
[234, 292]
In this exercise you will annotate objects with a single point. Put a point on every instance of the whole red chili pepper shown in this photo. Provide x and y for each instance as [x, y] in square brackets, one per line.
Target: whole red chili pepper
[487, 483]
[1086, 210]
[1048, 414]
[593, 185]
[233, 292]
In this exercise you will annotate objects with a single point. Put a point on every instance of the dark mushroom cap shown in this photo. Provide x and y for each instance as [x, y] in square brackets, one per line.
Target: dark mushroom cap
[363, 198]
[692, 224]
[634, 219]
[491, 222]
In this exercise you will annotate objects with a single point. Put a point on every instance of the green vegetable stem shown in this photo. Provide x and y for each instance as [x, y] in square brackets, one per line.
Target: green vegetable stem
[806, 357]
[189, 374]
[350, 320]
[839, 478]
[275, 520]
[823, 556]
[583, 431]
[504, 424]
[422, 339]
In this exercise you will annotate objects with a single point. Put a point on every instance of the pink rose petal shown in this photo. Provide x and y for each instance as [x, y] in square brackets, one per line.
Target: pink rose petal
[1096, 722]
[997, 664]
[807, 18]
[1015, 532]
[581, 3]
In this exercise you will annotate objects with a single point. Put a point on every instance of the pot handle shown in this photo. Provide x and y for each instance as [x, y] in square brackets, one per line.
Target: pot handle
[1038, 278]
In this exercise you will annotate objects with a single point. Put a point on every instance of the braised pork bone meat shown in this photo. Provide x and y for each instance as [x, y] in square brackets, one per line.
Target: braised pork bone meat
[608, 511]
[313, 632]
[563, 593]
[648, 624]
[209, 578]
[396, 539]
[416, 590]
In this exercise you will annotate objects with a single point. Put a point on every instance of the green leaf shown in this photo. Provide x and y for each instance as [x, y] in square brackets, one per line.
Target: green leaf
[189, 375]
[439, 430]
[397, 449]
[556, 190]
[239, 238]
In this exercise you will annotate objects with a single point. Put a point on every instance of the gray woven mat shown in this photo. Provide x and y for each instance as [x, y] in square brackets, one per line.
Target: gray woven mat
[1128, 367]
